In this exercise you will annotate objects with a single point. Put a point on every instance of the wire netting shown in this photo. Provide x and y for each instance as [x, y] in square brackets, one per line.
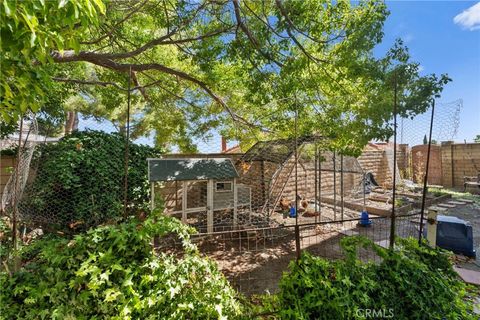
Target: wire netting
[73, 180]
[446, 122]
[254, 208]
[257, 188]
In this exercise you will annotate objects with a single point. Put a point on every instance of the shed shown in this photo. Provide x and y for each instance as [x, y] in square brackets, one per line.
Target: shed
[207, 185]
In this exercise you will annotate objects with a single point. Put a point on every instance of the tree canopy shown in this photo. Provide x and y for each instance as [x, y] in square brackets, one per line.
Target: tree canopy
[241, 67]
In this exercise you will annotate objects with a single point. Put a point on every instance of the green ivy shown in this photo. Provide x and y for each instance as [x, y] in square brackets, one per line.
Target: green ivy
[80, 180]
[111, 272]
[412, 282]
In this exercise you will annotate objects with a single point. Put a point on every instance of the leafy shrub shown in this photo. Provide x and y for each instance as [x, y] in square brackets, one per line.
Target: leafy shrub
[111, 272]
[80, 180]
[411, 282]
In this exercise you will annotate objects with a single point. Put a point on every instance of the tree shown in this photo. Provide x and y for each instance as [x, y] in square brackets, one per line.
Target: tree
[477, 138]
[243, 68]
[30, 30]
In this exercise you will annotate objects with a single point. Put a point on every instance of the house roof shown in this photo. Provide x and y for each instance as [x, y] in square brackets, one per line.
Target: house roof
[191, 169]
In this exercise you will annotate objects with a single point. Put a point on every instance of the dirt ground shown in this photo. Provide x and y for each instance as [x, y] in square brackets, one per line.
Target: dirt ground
[254, 259]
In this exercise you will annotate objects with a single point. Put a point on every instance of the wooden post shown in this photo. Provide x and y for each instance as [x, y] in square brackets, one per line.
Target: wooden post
[184, 201]
[432, 228]
[235, 203]
[210, 206]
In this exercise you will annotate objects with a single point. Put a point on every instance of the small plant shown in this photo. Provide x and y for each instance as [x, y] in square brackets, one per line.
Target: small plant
[111, 272]
[412, 282]
[456, 194]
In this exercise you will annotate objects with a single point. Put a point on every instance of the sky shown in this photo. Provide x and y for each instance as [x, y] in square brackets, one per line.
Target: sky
[444, 37]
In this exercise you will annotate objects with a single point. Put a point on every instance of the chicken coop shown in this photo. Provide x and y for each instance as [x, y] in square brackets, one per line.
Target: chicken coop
[196, 188]
[258, 188]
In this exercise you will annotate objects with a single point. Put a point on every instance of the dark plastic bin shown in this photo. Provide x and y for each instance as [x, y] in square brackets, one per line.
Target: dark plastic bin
[454, 234]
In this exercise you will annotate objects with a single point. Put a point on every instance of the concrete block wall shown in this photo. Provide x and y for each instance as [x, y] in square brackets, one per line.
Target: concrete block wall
[459, 160]
[374, 159]
[306, 182]
[419, 163]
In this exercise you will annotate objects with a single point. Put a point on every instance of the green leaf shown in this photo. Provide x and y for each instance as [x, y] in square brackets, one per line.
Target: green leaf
[62, 3]
[8, 11]
[100, 5]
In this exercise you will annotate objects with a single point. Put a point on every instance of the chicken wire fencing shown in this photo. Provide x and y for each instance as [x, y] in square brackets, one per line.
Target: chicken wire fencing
[276, 182]
[254, 209]
[413, 136]
[71, 180]
[253, 260]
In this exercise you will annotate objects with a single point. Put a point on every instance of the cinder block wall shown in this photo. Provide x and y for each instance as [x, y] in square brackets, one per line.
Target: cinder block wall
[306, 182]
[373, 160]
[459, 160]
[419, 163]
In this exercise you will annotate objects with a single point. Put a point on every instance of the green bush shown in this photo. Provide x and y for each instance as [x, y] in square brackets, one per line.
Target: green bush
[80, 181]
[111, 272]
[411, 282]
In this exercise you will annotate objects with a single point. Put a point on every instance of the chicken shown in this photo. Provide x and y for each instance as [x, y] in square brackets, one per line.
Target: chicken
[284, 204]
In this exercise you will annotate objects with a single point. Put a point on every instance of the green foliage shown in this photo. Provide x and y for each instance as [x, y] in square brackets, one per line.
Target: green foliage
[81, 178]
[29, 31]
[12, 151]
[456, 194]
[411, 282]
[477, 138]
[239, 67]
[111, 272]
[5, 240]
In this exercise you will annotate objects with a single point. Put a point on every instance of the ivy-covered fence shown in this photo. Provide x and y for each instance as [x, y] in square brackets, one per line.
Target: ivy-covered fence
[68, 184]
[79, 182]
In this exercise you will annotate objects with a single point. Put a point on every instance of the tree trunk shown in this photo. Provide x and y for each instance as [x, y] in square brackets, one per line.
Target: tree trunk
[71, 124]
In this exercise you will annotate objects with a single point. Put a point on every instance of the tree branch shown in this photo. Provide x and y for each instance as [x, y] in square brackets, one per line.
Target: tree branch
[126, 67]
[112, 29]
[253, 40]
[140, 88]
[106, 83]
[292, 36]
[90, 82]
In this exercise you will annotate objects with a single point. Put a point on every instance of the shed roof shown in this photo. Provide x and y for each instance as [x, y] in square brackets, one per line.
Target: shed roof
[191, 169]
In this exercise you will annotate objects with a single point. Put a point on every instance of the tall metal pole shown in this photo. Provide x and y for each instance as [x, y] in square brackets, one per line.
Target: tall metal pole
[320, 186]
[127, 140]
[341, 186]
[364, 192]
[392, 217]
[297, 230]
[316, 181]
[334, 187]
[425, 178]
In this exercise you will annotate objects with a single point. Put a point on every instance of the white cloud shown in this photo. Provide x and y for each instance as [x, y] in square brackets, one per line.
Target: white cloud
[470, 18]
